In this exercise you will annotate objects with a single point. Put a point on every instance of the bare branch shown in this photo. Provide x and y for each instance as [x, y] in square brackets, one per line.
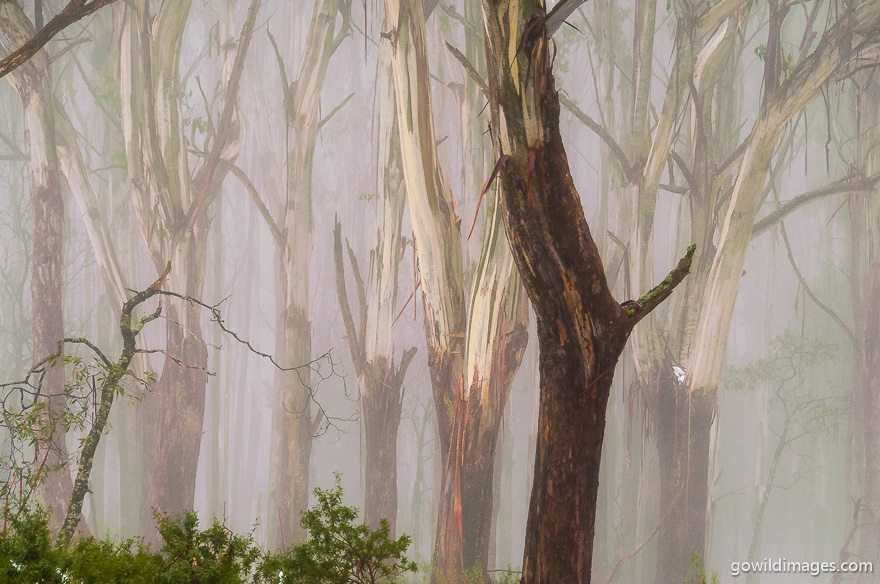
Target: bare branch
[359, 287]
[809, 292]
[600, 131]
[254, 194]
[205, 177]
[469, 67]
[562, 10]
[334, 110]
[342, 294]
[843, 186]
[74, 11]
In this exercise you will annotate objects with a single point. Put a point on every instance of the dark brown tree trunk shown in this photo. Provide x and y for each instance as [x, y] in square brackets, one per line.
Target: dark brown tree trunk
[581, 327]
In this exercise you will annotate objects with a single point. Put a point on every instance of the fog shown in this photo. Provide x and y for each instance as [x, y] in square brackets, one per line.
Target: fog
[774, 455]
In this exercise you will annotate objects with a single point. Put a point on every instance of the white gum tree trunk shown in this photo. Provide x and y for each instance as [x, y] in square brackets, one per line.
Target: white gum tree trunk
[171, 203]
[294, 421]
[855, 33]
[475, 348]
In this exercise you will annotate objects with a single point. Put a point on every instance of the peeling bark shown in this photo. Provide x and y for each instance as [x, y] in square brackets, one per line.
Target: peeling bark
[581, 327]
[473, 350]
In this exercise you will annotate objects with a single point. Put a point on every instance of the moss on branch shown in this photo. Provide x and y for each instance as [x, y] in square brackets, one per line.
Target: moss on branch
[636, 310]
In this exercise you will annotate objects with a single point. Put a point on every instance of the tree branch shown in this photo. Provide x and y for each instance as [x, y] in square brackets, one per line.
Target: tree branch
[74, 11]
[562, 10]
[109, 388]
[840, 187]
[334, 110]
[809, 292]
[359, 287]
[639, 309]
[354, 342]
[469, 67]
[205, 178]
[600, 131]
[688, 175]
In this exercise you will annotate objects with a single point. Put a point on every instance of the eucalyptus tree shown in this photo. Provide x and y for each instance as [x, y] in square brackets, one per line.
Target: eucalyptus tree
[475, 342]
[848, 44]
[171, 203]
[370, 341]
[33, 82]
[582, 329]
[705, 89]
[635, 156]
[290, 222]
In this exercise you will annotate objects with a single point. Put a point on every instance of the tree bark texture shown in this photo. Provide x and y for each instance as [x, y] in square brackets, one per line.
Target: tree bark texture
[171, 203]
[581, 328]
[475, 348]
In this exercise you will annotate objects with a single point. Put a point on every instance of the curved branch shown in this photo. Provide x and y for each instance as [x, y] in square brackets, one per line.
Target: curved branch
[110, 387]
[809, 292]
[600, 131]
[76, 10]
[841, 187]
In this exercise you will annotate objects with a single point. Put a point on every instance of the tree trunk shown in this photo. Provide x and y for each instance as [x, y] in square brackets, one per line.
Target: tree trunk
[829, 61]
[472, 355]
[292, 445]
[171, 206]
[683, 427]
[581, 328]
[33, 83]
[864, 215]
[371, 344]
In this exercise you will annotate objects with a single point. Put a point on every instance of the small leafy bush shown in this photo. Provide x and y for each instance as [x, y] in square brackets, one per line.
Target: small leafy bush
[338, 551]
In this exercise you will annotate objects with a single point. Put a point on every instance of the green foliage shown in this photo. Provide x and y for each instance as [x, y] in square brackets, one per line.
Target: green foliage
[791, 359]
[697, 573]
[26, 550]
[472, 576]
[215, 555]
[338, 550]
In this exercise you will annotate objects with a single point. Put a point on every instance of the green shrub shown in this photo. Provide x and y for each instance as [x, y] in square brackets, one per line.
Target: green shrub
[338, 551]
